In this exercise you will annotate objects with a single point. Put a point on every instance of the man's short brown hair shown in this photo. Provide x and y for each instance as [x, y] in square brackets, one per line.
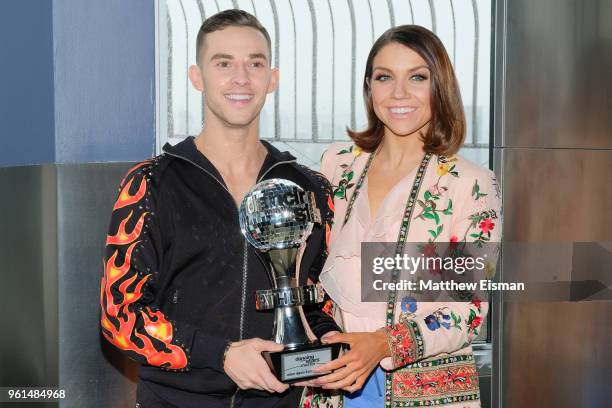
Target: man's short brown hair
[447, 128]
[229, 18]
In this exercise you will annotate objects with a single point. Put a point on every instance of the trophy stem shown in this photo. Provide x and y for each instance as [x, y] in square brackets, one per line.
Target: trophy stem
[281, 262]
[289, 328]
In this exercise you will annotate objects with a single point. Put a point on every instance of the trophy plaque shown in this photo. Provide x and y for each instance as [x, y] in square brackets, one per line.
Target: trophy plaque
[276, 217]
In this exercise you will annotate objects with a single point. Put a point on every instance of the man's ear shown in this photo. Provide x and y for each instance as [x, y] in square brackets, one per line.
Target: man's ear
[195, 76]
[273, 80]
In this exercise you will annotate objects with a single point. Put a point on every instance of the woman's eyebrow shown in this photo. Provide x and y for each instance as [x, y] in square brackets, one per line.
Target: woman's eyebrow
[390, 70]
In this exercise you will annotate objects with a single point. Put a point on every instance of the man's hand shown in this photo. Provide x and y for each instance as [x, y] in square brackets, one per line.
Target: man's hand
[351, 371]
[247, 368]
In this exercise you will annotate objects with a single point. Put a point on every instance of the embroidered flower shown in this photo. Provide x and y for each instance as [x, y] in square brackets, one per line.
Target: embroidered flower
[409, 304]
[356, 151]
[429, 250]
[486, 226]
[432, 322]
[442, 169]
[435, 190]
[475, 322]
[476, 302]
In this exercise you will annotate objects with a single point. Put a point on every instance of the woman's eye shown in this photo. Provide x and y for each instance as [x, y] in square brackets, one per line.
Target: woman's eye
[419, 77]
[382, 77]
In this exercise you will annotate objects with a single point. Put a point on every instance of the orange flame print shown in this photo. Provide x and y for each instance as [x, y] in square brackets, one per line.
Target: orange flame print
[122, 237]
[126, 199]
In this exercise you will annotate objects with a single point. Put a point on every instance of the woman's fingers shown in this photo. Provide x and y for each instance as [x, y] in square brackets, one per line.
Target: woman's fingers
[336, 376]
[333, 365]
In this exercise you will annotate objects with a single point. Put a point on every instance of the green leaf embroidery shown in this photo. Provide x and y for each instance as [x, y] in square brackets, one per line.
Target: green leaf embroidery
[449, 208]
[349, 176]
[427, 195]
[433, 233]
[437, 218]
[439, 230]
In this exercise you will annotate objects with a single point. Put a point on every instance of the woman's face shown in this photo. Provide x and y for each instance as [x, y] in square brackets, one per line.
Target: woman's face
[400, 88]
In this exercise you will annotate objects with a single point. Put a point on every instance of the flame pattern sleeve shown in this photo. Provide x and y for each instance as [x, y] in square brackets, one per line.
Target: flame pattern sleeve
[129, 319]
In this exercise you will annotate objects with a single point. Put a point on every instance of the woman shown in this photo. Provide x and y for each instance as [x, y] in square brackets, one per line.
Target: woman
[406, 353]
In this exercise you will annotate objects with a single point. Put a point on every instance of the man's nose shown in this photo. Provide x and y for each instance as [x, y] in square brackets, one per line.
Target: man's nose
[241, 75]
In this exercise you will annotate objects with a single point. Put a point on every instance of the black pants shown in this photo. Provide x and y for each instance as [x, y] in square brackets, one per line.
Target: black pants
[150, 395]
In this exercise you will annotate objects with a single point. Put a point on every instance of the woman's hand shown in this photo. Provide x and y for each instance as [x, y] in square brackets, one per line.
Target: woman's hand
[351, 371]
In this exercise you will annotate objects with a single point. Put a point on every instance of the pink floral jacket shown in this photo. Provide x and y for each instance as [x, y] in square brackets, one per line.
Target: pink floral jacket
[432, 360]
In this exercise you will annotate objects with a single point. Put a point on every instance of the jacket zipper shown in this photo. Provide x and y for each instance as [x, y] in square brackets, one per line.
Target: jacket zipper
[245, 266]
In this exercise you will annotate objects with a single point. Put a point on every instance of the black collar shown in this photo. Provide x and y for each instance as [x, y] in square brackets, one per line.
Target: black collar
[187, 150]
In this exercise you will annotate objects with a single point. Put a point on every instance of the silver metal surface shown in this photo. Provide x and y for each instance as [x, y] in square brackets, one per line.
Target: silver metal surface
[553, 135]
[557, 195]
[53, 223]
[93, 372]
[292, 296]
[558, 65]
[28, 277]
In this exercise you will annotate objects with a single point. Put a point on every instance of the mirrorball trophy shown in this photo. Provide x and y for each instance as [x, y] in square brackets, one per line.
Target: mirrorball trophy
[276, 217]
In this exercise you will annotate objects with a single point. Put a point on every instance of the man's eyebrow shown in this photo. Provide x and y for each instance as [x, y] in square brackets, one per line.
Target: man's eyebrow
[258, 55]
[221, 56]
[411, 69]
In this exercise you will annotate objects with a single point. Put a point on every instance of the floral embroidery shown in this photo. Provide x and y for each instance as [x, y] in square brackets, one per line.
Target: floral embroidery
[318, 398]
[409, 304]
[475, 318]
[430, 209]
[436, 382]
[405, 342]
[347, 175]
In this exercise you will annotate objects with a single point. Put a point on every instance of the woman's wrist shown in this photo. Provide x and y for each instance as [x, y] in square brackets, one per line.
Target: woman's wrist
[383, 343]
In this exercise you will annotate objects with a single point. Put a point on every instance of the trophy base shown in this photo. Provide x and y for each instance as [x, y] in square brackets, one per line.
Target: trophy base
[295, 364]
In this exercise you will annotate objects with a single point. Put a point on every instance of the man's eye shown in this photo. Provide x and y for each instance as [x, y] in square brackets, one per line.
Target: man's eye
[223, 64]
[382, 77]
[257, 64]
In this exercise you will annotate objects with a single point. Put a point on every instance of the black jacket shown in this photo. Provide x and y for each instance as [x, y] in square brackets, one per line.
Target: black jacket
[172, 293]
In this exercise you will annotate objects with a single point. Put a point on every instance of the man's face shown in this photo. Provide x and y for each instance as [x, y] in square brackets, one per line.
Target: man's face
[235, 76]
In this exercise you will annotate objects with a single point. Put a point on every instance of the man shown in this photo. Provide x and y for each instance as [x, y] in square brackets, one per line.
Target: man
[178, 289]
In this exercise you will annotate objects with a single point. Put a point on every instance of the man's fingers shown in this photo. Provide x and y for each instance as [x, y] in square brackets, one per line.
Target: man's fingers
[267, 345]
[309, 383]
[273, 384]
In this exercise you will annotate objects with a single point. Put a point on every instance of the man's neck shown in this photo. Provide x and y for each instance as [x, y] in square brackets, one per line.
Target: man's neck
[237, 154]
[231, 151]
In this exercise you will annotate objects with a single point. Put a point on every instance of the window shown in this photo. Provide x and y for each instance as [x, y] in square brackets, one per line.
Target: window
[320, 47]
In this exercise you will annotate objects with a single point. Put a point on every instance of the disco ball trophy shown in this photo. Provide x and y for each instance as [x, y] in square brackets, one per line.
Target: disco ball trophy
[276, 217]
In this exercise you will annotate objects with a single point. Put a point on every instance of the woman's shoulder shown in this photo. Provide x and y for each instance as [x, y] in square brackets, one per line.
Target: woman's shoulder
[462, 169]
[340, 148]
[338, 155]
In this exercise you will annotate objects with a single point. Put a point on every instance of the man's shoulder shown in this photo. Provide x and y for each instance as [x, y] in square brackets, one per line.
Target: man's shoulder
[147, 173]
